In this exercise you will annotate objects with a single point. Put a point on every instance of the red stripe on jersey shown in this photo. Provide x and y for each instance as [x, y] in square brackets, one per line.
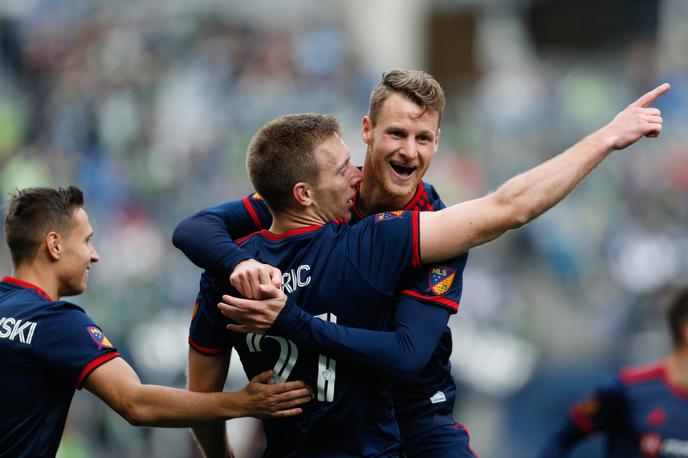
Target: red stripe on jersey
[439, 299]
[289, 233]
[415, 261]
[420, 193]
[93, 365]
[26, 284]
[243, 239]
[206, 350]
[252, 212]
[651, 372]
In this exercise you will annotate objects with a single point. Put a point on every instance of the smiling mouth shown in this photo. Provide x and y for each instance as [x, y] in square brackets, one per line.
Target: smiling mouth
[401, 170]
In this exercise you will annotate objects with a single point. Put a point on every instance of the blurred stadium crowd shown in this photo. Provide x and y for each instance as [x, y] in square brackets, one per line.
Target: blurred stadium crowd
[148, 107]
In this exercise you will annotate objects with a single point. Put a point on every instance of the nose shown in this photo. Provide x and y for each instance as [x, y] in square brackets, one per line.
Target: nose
[94, 255]
[409, 149]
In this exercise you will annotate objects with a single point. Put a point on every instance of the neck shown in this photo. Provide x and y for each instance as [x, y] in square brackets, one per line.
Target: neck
[36, 276]
[677, 367]
[372, 197]
[291, 219]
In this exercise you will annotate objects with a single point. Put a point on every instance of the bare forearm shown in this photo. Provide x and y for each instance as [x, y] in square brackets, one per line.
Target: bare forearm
[456, 229]
[153, 405]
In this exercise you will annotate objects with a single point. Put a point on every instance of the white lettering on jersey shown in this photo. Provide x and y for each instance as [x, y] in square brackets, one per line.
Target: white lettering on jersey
[295, 279]
[674, 447]
[11, 328]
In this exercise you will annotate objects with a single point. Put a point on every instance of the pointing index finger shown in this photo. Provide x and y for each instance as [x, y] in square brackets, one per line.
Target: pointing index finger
[651, 96]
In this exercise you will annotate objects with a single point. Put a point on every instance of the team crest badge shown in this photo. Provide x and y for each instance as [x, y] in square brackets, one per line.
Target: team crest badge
[385, 216]
[441, 279]
[98, 337]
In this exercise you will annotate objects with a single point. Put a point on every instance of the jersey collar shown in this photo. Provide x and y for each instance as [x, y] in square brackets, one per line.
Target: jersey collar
[409, 206]
[26, 284]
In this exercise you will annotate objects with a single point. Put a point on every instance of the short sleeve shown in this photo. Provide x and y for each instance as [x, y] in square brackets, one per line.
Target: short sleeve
[71, 343]
[208, 333]
[438, 284]
[383, 246]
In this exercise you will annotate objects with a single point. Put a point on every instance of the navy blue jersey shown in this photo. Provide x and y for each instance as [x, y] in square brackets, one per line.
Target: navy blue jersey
[339, 273]
[426, 404]
[640, 412]
[47, 349]
[423, 405]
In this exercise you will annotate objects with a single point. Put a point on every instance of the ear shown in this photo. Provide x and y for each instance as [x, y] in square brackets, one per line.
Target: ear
[303, 193]
[53, 245]
[367, 130]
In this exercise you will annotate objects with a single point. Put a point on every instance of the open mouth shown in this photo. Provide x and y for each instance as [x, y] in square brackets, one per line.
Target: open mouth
[403, 171]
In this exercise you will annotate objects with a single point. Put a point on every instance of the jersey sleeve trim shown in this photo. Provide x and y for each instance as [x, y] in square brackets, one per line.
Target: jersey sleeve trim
[205, 350]
[93, 365]
[450, 304]
[415, 248]
[252, 212]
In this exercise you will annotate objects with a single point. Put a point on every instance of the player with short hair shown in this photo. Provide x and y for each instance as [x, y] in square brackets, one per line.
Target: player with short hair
[642, 411]
[332, 266]
[402, 135]
[50, 347]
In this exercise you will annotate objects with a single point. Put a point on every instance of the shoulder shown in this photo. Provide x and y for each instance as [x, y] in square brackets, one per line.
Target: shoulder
[426, 199]
[641, 374]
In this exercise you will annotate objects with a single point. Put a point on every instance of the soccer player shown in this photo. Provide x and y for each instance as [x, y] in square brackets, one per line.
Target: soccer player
[350, 274]
[50, 347]
[402, 134]
[642, 411]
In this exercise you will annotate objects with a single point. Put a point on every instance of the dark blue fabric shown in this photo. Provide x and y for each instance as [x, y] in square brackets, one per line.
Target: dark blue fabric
[45, 346]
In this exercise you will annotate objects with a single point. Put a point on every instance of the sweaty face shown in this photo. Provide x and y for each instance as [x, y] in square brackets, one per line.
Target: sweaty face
[77, 257]
[400, 145]
[334, 192]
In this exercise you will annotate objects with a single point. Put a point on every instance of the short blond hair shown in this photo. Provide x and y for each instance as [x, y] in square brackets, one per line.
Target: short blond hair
[419, 87]
[281, 154]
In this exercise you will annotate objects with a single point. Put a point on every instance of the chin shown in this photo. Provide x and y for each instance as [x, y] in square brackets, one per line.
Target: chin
[399, 190]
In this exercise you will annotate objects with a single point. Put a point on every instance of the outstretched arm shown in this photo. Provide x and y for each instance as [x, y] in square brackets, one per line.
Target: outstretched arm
[460, 227]
[116, 383]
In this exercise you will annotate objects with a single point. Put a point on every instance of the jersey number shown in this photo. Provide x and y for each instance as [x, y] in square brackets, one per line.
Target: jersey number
[289, 352]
